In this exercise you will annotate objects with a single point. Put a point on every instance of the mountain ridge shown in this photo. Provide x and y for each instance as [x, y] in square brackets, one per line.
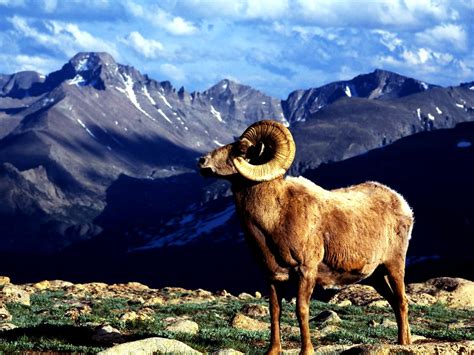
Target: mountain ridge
[99, 133]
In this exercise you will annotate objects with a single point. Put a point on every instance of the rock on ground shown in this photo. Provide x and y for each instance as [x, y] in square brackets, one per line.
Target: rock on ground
[241, 321]
[466, 347]
[453, 292]
[183, 326]
[460, 348]
[107, 334]
[15, 294]
[255, 310]
[150, 346]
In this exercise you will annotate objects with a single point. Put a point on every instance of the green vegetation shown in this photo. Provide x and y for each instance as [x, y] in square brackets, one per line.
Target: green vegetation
[56, 321]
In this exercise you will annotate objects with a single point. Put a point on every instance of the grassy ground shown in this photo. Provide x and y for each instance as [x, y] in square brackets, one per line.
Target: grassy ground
[47, 324]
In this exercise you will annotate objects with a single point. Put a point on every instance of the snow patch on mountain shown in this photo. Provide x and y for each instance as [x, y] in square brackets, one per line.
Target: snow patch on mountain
[130, 93]
[83, 64]
[147, 95]
[439, 111]
[160, 111]
[165, 100]
[86, 128]
[347, 91]
[216, 114]
[78, 80]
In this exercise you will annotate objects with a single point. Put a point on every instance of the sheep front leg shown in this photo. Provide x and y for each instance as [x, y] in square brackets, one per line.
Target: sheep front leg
[305, 290]
[275, 314]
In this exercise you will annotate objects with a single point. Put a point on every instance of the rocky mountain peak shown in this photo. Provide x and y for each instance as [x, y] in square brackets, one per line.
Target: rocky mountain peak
[85, 61]
[227, 88]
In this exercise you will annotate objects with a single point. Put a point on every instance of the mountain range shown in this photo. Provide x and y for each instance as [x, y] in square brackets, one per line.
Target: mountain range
[98, 153]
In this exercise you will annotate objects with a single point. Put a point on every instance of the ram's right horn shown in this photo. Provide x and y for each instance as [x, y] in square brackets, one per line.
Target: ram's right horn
[276, 151]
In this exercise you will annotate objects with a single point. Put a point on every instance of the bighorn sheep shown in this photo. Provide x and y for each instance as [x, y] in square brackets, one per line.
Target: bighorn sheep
[318, 236]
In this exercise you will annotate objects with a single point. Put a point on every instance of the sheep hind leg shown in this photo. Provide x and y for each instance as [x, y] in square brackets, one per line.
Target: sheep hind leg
[275, 314]
[396, 274]
[305, 289]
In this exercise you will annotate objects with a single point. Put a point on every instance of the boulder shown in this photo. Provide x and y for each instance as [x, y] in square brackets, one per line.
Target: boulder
[183, 326]
[4, 280]
[150, 346]
[15, 294]
[255, 310]
[464, 347]
[453, 292]
[241, 321]
[107, 334]
[327, 317]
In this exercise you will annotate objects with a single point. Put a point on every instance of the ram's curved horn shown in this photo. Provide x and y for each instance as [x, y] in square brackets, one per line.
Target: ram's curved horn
[278, 151]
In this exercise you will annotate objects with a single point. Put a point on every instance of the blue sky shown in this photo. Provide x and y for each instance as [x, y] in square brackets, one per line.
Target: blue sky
[276, 46]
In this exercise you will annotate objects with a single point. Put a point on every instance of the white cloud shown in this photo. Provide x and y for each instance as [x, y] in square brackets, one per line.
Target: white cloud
[67, 38]
[445, 35]
[149, 48]
[21, 62]
[266, 9]
[175, 25]
[421, 56]
[389, 39]
[173, 72]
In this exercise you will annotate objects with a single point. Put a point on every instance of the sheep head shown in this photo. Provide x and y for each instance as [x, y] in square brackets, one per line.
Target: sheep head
[263, 152]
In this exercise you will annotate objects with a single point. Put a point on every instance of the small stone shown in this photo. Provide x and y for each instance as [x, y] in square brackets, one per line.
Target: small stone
[241, 321]
[203, 293]
[151, 346]
[5, 316]
[132, 316]
[137, 286]
[388, 323]
[59, 284]
[4, 280]
[345, 303]
[372, 323]
[183, 326]
[223, 293]
[154, 301]
[227, 352]
[258, 295]
[42, 285]
[328, 329]
[7, 326]
[255, 310]
[77, 311]
[416, 338]
[245, 296]
[379, 304]
[107, 334]
[327, 317]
